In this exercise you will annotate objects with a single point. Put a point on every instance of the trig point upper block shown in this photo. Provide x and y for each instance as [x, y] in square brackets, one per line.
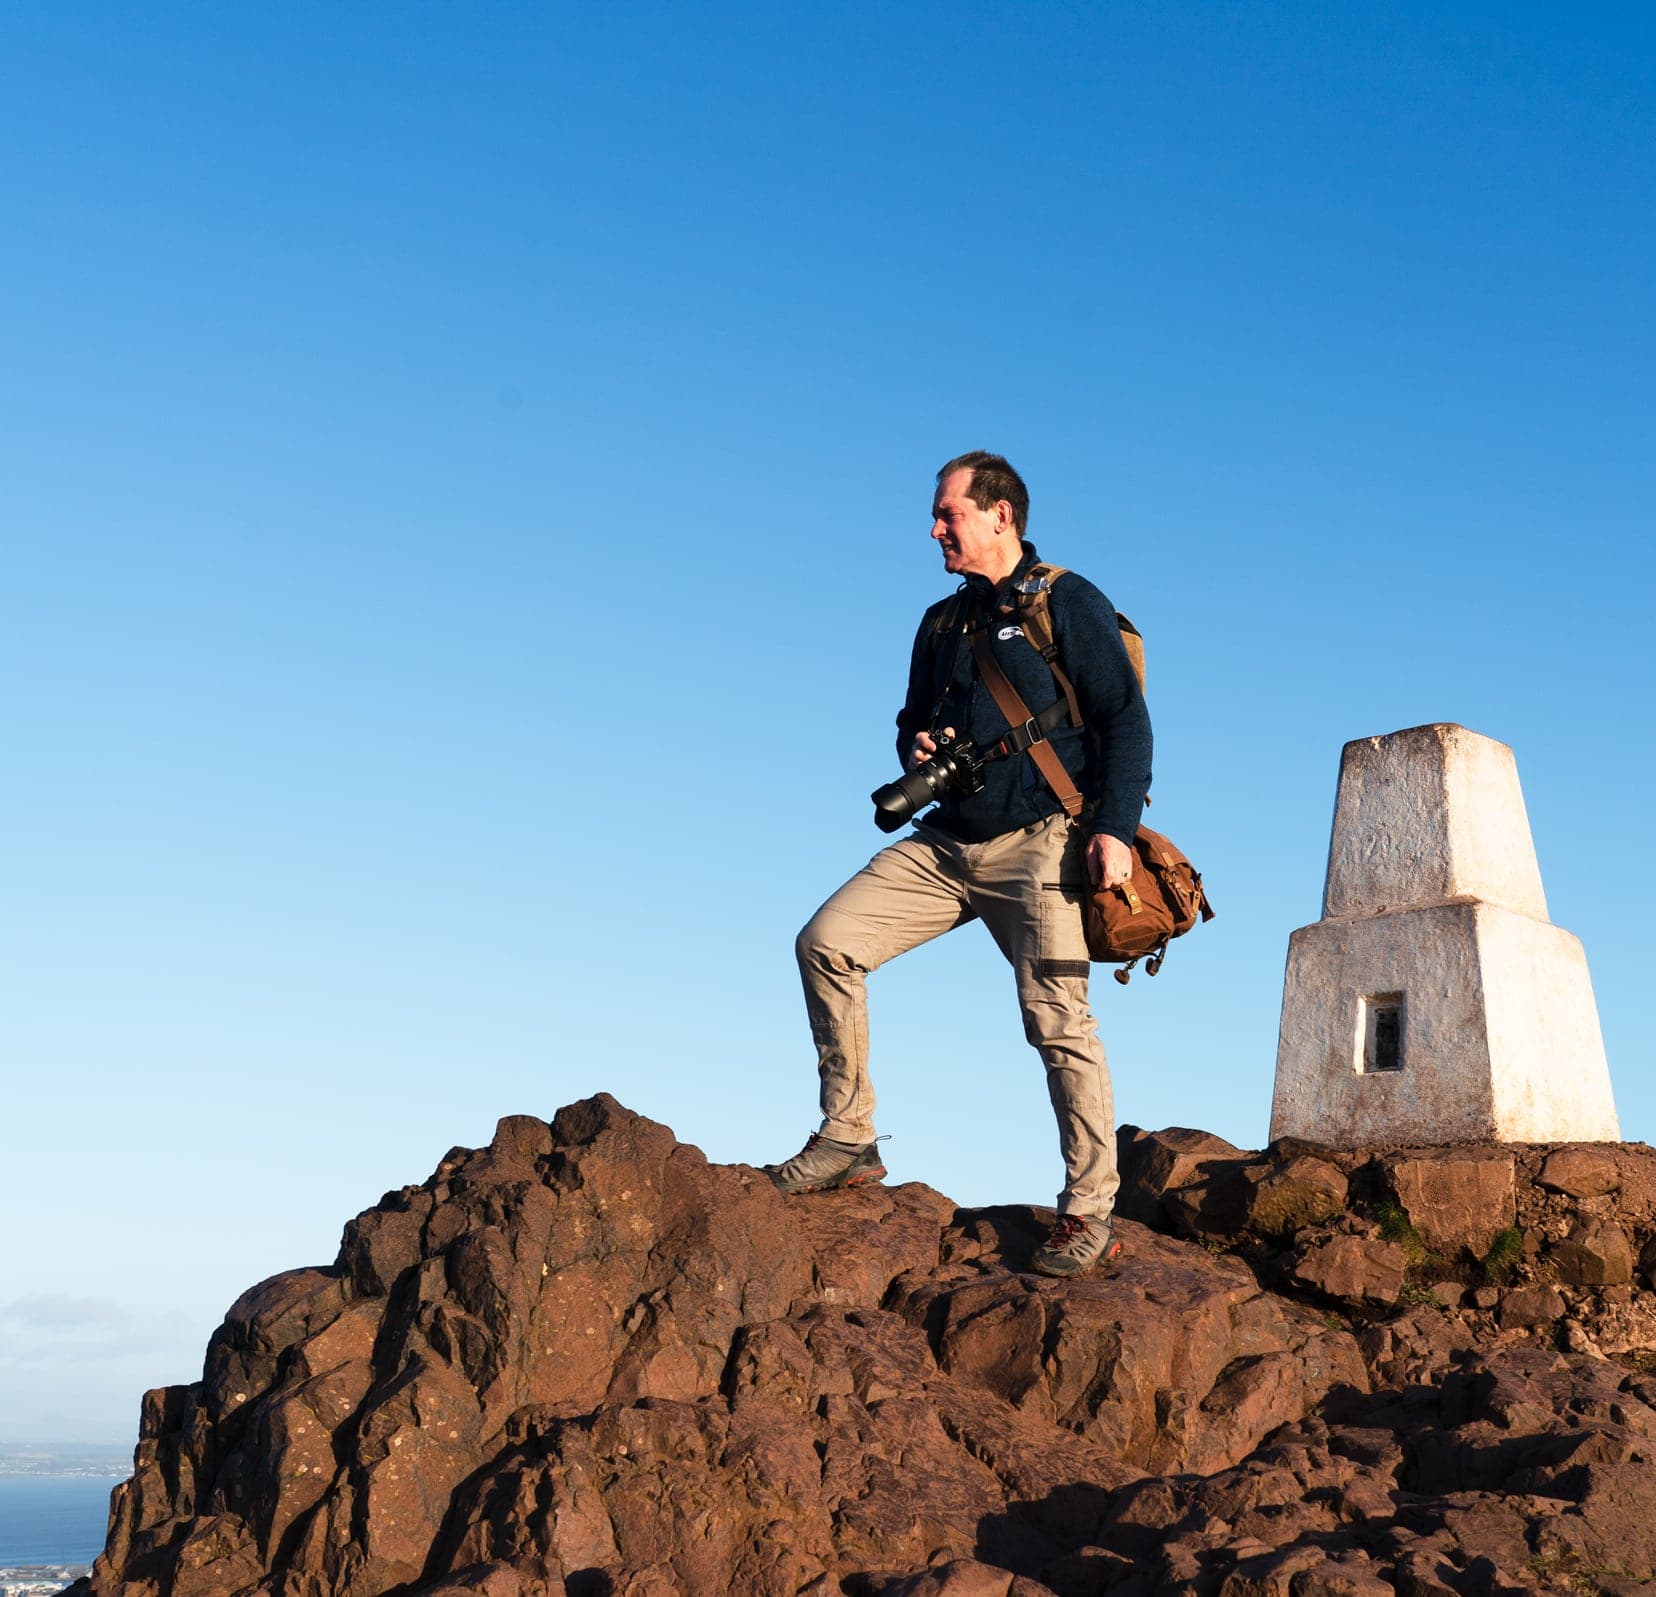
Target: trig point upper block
[1426, 816]
[1434, 1002]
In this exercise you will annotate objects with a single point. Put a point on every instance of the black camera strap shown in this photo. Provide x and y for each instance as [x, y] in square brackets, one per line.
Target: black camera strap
[952, 624]
[1037, 729]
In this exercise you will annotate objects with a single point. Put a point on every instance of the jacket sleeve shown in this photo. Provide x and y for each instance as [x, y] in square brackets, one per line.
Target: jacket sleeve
[1112, 705]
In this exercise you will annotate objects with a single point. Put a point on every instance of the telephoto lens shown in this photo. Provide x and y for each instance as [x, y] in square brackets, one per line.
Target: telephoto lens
[954, 768]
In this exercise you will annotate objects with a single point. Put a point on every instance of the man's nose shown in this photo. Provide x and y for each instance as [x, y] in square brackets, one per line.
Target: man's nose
[938, 528]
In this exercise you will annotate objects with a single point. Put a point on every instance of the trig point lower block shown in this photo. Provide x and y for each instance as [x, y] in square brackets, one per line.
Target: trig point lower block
[1434, 1002]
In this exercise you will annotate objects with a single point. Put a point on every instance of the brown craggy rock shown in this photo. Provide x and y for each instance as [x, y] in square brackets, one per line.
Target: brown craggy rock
[1456, 1198]
[585, 1361]
[1155, 1162]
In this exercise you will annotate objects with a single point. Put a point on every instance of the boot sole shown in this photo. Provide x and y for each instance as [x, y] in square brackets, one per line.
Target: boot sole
[838, 1183]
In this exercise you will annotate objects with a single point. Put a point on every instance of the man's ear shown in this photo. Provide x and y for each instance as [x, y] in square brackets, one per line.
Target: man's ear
[1004, 520]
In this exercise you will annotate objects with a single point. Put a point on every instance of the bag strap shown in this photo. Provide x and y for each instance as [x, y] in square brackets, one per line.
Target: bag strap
[1017, 715]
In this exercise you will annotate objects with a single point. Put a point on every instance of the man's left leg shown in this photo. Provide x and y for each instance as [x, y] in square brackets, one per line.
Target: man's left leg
[906, 895]
[1029, 888]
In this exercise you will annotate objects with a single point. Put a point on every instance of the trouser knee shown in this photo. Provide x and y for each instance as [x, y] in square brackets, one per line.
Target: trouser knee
[1046, 1022]
[817, 948]
[810, 948]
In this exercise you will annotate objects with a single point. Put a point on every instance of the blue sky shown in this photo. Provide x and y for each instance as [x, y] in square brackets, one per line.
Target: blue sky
[465, 478]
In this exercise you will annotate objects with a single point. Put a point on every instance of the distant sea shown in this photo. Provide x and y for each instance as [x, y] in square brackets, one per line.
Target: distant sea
[53, 1519]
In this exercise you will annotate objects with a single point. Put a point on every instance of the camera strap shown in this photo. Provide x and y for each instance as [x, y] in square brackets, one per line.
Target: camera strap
[1032, 729]
[1028, 733]
[951, 624]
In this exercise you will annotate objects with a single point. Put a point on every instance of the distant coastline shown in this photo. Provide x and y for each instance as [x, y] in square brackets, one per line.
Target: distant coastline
[39, 1580]
[54, 1512]
[102, 1461]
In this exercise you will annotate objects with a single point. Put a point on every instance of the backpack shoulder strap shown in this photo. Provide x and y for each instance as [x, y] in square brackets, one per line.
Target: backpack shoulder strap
[947, 612]
[1031, 599]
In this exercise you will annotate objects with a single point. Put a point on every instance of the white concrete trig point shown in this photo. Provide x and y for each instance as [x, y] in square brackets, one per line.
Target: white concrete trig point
[1434, 1002]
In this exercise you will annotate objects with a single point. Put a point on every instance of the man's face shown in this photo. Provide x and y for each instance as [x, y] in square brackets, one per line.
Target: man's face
[973, 541]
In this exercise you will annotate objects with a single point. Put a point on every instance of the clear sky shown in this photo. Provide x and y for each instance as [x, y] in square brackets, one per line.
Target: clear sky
[465, 474]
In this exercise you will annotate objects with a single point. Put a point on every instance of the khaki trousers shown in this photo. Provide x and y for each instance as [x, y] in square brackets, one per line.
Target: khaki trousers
[1027, 887]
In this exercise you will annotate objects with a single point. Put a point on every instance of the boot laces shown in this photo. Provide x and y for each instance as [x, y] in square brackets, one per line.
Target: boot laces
[1071, 1228]
[812, 1143]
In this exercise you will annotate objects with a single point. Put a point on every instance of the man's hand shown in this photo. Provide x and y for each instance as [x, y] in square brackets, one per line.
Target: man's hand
[925, 745]
[1109, 860]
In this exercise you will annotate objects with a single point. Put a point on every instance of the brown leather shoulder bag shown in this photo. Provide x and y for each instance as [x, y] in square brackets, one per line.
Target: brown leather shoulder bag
[1162, 900]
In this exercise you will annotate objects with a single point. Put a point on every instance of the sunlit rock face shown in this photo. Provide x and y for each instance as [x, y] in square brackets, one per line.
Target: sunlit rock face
[584, 1360]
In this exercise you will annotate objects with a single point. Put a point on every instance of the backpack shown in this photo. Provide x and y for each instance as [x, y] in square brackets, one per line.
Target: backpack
[1164, 897]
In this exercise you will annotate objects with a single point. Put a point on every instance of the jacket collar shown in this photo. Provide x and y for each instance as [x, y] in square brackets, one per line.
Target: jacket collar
[981, 588]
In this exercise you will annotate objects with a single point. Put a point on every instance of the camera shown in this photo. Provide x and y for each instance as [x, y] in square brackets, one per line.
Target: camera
[955, 768]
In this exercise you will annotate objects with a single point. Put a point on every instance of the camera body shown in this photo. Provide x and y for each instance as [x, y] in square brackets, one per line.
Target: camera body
[955, 769]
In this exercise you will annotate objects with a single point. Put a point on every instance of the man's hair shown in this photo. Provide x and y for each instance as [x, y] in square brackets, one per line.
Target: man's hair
[993, 480]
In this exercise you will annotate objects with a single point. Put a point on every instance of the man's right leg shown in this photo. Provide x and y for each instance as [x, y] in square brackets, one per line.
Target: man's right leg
[906, 895]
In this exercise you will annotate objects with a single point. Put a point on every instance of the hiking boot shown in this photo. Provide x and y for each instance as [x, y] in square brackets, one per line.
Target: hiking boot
[1074, 1246]
[823, 1164]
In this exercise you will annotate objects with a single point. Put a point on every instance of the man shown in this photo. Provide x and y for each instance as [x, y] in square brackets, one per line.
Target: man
[1009, 855]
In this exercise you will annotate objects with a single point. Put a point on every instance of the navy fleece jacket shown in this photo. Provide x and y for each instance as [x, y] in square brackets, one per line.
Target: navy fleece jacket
[1108, 757]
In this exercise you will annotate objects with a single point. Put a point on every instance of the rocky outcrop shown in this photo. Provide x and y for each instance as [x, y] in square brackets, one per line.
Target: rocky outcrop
[583, 1360]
